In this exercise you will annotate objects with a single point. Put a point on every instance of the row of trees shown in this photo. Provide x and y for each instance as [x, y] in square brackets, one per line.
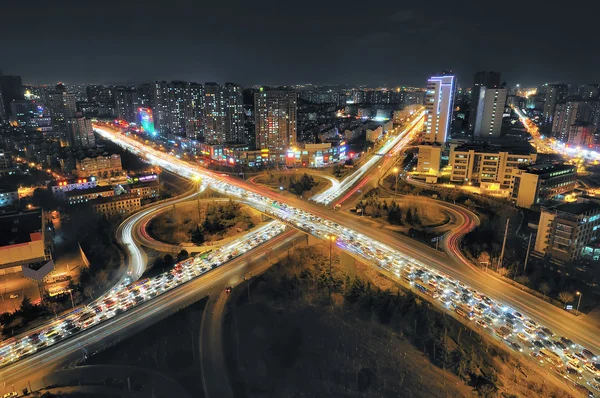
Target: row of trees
[393, 213]
[218, 220]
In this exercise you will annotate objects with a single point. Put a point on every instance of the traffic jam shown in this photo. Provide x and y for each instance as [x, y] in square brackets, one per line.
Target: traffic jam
[575, 363]
[129, 294]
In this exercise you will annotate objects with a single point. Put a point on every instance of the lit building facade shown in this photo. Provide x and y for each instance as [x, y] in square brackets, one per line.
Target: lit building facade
[439, 101]
[275, 119]
[536, 183]
[488, 166]
[99, 166]
[565, 230]
[490, 108]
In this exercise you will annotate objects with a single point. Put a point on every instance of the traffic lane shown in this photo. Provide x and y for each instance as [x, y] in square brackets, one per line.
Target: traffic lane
[138, 318]
[214, 373]
[140, 232]
[560, 321]
[184, 169]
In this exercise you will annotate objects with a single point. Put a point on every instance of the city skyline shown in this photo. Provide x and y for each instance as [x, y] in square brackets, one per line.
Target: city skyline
[313, 44]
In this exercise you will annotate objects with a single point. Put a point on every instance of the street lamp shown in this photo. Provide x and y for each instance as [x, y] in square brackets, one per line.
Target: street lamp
[395, 170]
[331, 240]
[579, 301]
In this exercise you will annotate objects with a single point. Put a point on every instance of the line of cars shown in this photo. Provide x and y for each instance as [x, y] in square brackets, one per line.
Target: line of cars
[131, 293]
[502, 321]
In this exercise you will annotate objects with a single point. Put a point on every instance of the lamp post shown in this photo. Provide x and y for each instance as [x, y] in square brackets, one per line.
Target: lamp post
[331, 240]
[579, 301]
[395, 170]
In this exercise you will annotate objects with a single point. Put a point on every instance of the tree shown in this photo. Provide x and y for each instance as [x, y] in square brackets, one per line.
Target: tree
[169, 261]
[544, 288]
[183, 254]
[197, 235]
[566, 297]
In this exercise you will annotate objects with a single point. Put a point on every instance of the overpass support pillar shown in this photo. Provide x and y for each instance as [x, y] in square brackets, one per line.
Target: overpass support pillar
[348, 263]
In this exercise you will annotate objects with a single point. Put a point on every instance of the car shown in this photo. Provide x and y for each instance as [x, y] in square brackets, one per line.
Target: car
[13, 296]
[589, 355]
[580, 357]
[591, 368]
[547, 331]
[574, 374]
[574, 364]
[522, 336]
[538, 344]
[537, 356]
[10, 394]
[568, 342]
[481, 323]
[595, 385]
[570, 357]
[560, 345]
[515, 346]
[560, 371]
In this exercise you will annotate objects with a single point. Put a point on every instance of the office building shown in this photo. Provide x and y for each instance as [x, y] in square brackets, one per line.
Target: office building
[537, 183]
[429, 159]
[484, 80]
[81, 196]
[490, 109]
[315, 155]
[275, 119]
[145, 190]
[11, 89]
[60, 188]
[80, 133]
[555, 94]
[565, 115]
[489, 165]
[100, 166]
[119, 205]
[439, 100]
[565, 230]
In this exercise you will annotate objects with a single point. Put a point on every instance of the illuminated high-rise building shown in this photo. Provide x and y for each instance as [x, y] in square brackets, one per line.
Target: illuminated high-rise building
[80, 132]
[275, 119]
[234, 118]
[124, 100]
[178, 108]
[223, 113]
[555, 94]
[482, 80]
[439, 101]
[490, 109]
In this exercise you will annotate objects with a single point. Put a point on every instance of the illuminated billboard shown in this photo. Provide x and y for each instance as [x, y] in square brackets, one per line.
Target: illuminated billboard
[146, 121]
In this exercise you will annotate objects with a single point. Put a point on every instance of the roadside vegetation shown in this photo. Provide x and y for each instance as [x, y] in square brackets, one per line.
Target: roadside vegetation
[301, 185]
[388, 341]
[201, 222]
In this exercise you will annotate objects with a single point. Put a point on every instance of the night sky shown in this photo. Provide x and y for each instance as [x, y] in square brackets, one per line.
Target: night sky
[293, 42]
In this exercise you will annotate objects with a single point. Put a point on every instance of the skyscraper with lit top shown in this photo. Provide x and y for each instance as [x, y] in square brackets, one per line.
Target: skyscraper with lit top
[439, 101]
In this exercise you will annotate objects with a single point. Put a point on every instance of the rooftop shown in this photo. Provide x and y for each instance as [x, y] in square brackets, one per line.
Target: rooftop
[544, 168]
[513, 148]
[20, 227]
[117, 198]
[578, 208]
[77, 192]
